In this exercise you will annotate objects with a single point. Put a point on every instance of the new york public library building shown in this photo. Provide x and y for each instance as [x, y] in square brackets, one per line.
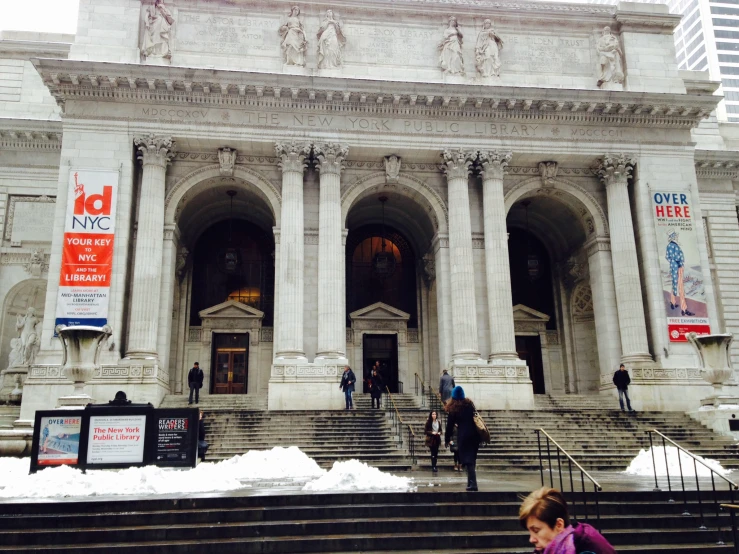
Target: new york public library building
[525, 194]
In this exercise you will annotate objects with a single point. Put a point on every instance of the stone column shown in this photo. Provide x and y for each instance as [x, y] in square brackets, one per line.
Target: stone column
[456, 164]
[289, 328]
[154, 152]
[331, 266]
[497, 267]
[614, 170]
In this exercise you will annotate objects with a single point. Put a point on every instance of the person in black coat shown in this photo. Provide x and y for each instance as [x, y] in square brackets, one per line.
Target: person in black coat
[347, 385]
[376, 388]
[621, 379]
[195, 382]
[202, 444]
[461, 412]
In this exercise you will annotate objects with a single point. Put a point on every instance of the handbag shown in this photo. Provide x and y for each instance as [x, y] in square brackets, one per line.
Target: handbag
[482, 429]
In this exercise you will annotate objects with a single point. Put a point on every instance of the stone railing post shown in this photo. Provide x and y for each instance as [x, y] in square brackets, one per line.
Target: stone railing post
[289, 321]
[155, 153]
[331, 265]
[497, 267]
[456, 165]
[614, 170]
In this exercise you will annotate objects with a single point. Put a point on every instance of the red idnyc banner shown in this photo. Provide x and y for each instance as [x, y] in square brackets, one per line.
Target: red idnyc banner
[87, 250]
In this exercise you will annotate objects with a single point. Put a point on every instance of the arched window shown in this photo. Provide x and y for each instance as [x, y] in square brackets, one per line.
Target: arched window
[388, 278]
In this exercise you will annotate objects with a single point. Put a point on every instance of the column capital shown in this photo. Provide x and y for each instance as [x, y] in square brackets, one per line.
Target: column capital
[493, 163]
[597, 244]
[292, 155]
[330, 157]
[155, 150]
[615, 168]
[276, 232]
[456, 163]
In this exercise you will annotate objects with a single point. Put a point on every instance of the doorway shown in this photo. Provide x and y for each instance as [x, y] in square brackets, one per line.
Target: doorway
[230, 363]
[528, 349]
[383, 349]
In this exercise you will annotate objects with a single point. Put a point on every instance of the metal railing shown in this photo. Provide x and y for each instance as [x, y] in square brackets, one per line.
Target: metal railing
[732, 508]
[696, 460]
[435, 402]
[399, 424]
[562, 482]
[420, 387]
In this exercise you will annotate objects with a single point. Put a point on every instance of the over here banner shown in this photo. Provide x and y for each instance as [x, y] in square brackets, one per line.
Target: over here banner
[683, 286]
[87, 251]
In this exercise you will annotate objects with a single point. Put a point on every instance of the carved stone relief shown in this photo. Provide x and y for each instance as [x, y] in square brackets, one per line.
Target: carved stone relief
[30, 218]
[610, 59]
[227, 160]
[392, 168]
[548, 172]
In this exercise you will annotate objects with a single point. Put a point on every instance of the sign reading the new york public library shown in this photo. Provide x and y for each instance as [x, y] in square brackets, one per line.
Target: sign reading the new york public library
[108, 436]
[682, 275]
[87, 251]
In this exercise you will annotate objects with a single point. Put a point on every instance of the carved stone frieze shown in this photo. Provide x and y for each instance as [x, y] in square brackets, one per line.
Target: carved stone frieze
[413, 336]
[660, 375]
[307, 371]
[266, 334]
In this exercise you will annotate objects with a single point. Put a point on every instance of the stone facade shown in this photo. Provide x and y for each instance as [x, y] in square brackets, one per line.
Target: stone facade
[539, 121]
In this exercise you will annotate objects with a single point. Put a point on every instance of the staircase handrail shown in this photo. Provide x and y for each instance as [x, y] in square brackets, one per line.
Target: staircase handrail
[696, 460]
[395, 415]
[423, 389]
[733, 508]
[562, 483]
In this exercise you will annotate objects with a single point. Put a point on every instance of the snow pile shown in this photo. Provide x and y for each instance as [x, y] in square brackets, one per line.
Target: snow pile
[354, 475]
[643, 465]
[228, 475]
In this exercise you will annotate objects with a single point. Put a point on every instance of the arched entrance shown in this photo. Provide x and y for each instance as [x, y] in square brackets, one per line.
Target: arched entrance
[391, 297]
[549, 230]
[224, 295]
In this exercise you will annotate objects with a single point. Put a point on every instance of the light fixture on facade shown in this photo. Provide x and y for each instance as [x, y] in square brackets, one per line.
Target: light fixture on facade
[383, 263]
[229, 258]
[532, 260]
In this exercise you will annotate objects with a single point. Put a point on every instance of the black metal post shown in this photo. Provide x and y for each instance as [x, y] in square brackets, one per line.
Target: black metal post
[718, 509]
[597, 508]
[654, 463]
[541, 463]
[682, 481]
[584, 495]
[698, 488]
[559, 469]
[549, 458]
[572, 490]
[733, 531]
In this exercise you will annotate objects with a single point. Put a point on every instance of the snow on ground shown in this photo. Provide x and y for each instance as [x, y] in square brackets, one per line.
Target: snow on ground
[289, 465]
[353, 475]
[643, 465]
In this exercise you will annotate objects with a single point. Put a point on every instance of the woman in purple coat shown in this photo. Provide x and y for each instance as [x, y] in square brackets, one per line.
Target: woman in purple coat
[544, 515]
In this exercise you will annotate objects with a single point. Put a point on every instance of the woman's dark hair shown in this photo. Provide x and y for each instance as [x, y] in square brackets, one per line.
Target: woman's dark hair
[430, 420]
[547, 505]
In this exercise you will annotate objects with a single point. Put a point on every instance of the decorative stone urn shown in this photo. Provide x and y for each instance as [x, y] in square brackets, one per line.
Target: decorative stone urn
[82, 344]
[715, 358]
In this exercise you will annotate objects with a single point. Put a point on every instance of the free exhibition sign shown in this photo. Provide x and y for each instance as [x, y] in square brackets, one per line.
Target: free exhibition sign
[87, 252]
[682, 276]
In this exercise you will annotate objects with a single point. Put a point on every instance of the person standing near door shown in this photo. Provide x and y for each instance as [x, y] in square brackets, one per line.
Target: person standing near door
[195, 382]
[377, 385]
[621, 379]
[347, 385]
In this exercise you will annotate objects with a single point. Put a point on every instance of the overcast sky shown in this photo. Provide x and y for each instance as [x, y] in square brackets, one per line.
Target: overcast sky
[48, 16]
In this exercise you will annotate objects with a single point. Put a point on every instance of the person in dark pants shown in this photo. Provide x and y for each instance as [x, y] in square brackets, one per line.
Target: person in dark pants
[202, 444]
[621, 379]
[347, 385]
[461, 412]
[433, 438]
[376, 388]
[195, 382]
[446, 384]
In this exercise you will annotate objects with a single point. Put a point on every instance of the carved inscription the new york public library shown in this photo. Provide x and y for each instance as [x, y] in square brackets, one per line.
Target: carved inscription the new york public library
[208, 33]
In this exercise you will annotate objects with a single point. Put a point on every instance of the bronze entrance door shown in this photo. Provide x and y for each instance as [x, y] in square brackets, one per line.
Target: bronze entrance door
[383, 349]
[230, 363]
[529, 350]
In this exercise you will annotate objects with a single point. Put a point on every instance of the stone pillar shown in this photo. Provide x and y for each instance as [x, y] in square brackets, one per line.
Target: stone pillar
[497, 267]
[331, 266]
[607, 333]
[288, 332]
[154, 152]
[456, 164]
[614, 170]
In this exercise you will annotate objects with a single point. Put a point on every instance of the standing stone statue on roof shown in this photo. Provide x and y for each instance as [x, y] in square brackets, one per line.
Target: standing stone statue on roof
[487, 51]
[155, 43]
[610, 59]
[293, 42]
[331, 43]
[450, 49]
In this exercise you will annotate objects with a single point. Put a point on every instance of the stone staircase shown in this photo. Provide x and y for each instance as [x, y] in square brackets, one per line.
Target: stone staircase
[599, 439]
[219, 402]
[8, 414]
[420, 522]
